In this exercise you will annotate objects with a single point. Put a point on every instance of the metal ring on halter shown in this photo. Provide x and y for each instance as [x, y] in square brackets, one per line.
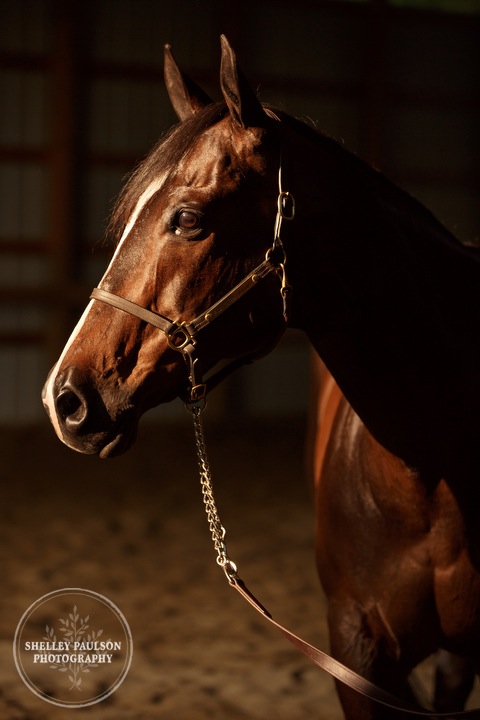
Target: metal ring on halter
[276, 255]
[180, 333]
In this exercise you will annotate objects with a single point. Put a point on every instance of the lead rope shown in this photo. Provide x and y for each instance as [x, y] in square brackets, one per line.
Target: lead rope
[320, 658]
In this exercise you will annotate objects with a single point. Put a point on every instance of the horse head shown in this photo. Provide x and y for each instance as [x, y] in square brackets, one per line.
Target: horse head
[194, 278]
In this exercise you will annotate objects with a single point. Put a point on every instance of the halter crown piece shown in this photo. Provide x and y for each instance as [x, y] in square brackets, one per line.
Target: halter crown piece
[182, 336]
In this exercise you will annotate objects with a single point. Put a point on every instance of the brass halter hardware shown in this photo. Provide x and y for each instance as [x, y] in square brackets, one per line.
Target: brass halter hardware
[182, 336]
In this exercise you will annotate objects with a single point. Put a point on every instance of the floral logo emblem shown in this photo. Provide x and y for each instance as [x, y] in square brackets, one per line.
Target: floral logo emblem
[74, 629]
[88, 668]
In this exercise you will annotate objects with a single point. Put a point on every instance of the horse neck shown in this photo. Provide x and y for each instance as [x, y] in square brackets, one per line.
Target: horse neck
[387, 297]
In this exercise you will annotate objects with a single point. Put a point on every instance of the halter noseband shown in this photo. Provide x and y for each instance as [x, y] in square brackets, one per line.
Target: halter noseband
[182, 336]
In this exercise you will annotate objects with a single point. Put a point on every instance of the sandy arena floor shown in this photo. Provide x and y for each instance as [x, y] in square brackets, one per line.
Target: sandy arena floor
[134, 530]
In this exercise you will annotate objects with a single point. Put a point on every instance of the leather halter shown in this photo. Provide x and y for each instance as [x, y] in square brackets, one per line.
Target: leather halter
[182, 336]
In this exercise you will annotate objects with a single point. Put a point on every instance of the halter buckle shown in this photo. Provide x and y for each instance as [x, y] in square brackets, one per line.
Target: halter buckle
[197, 393]
[286, 205]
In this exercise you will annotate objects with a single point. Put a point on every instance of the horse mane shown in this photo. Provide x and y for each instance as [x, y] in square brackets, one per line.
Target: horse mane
[402, 303]
[413, 214]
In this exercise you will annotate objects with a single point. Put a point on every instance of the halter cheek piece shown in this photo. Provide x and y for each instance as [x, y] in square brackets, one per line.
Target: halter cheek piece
[182, 336]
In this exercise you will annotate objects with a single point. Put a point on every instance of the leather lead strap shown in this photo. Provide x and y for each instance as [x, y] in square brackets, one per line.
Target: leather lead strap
[341, 672]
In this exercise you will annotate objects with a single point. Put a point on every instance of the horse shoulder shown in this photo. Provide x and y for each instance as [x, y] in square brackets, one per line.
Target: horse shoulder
[387, 535]
[373, 514]
[326, 397]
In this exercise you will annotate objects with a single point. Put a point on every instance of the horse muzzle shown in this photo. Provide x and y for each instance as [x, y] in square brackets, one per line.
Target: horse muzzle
[81, 418]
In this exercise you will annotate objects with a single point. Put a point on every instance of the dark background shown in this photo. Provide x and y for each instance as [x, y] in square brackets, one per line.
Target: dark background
[82, 100]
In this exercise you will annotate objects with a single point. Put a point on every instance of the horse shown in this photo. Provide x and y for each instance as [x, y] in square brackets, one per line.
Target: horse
[240, 222]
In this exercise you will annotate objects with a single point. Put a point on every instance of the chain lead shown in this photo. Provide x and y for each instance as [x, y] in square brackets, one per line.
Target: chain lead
[217, 530]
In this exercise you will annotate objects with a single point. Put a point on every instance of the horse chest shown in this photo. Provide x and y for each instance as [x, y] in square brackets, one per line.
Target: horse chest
[391, 541]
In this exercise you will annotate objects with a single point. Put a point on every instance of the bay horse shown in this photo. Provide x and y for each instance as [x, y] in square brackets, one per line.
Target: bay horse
[244, 220]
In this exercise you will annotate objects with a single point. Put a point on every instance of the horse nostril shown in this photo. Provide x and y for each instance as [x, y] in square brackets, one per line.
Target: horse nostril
[71, 407]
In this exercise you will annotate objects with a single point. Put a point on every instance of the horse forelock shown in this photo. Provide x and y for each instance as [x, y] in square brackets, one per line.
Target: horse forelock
[160, 163]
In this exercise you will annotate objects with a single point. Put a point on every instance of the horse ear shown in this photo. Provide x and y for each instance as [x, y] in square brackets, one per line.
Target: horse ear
[244, 106]
[186, 96]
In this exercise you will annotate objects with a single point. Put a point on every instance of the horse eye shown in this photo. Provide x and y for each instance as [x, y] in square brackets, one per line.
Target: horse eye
[188, 220]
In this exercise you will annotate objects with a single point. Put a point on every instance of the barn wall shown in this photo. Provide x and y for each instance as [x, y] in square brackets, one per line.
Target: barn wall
[83, 100]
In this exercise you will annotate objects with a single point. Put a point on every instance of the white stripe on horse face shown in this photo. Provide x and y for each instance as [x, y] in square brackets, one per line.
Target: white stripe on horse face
[144, 198]
[49, 400]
